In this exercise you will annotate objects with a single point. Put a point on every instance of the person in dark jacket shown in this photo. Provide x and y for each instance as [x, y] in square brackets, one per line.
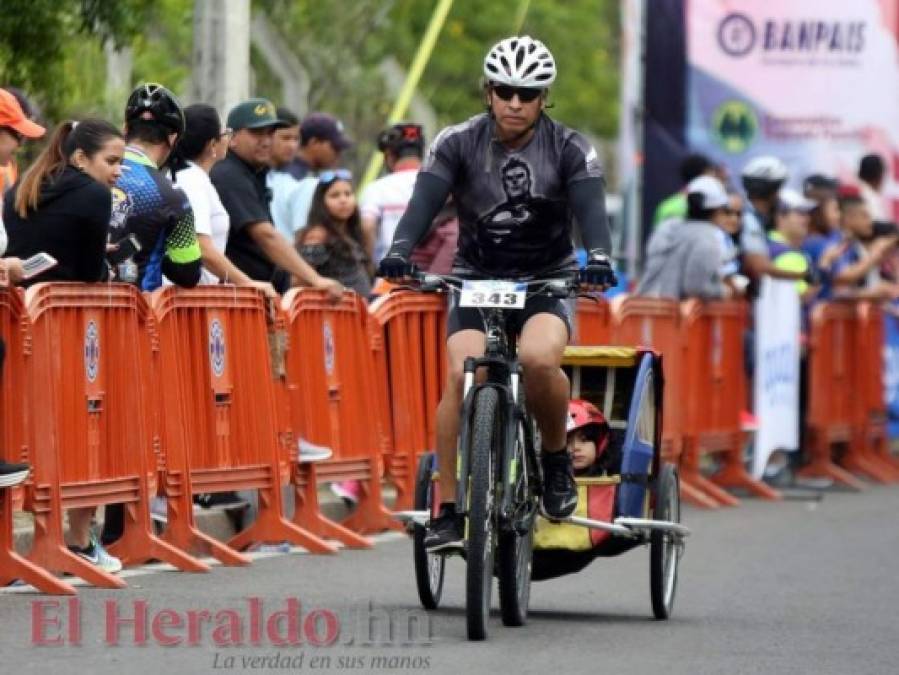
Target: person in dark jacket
[62, 204]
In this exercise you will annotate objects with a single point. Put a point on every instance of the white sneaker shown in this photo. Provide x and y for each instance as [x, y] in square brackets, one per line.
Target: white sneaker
[96, 555]
[310, 452]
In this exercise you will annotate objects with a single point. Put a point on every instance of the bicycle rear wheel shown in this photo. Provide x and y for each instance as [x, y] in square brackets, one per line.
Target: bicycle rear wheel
[664, 551]
[485, 436]
[429, 567]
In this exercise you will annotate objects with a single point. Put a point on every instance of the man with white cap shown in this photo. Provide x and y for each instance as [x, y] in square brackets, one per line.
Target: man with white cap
[684, 257]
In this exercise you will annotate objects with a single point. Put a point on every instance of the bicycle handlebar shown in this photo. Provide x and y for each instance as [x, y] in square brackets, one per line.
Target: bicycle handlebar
[560, 287]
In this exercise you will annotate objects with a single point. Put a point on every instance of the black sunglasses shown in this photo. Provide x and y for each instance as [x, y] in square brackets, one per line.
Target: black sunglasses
[525, 94]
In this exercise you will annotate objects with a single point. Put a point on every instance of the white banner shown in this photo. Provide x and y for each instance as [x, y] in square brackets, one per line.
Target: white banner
[777, 328]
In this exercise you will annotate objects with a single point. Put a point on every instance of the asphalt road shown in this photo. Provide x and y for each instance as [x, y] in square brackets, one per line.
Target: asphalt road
[794, 587]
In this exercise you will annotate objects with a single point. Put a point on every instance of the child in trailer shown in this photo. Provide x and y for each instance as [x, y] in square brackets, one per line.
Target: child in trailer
[588, 438]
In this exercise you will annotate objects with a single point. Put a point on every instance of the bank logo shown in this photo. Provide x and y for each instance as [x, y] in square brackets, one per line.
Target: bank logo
[735, 126]
[736, 34]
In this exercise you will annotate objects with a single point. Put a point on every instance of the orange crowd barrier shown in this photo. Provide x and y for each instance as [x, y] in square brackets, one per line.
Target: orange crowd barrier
[92, 445]
[655, 323]
[713, 390]
[831, 360]
[334, 403]
[15, 418]
[411, 362]
[214, 339]
[869, 451]
[592, 323]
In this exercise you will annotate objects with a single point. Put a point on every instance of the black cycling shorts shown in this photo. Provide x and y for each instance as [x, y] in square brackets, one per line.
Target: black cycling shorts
[469, 318]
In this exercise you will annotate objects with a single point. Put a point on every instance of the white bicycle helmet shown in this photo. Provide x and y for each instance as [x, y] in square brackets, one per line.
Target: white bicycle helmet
[520, 61]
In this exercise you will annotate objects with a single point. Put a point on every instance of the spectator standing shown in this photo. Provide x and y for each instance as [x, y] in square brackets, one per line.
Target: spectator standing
[15, 127]
[146, 207]
[322, 142]
[729, 232]
[675, 206]
[291, 198]
[824, 223]
[254, 245]
[785, 242]
[854, 271]
[333, 242]
[9, 171]
[385, 200]
[62, 205]
[204, 142]
[871, 171]
[762, 178]
[684, 258]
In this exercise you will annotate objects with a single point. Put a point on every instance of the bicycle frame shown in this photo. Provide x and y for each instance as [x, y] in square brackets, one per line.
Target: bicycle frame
[504, 374]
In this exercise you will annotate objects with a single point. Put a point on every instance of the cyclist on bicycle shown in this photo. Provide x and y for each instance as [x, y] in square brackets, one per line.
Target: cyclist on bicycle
[517, 177]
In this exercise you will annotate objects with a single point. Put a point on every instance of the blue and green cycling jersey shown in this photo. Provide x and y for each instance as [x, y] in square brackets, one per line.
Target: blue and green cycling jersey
[146, 204]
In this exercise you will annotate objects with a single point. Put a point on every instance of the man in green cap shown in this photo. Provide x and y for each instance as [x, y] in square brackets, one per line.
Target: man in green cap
[254, 245]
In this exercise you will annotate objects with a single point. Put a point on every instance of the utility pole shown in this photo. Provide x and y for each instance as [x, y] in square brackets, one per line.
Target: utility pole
[221, 59]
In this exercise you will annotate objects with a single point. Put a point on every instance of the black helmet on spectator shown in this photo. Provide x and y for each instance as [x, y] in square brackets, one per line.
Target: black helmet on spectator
[764, 176]
[404, 138]
[151, 101]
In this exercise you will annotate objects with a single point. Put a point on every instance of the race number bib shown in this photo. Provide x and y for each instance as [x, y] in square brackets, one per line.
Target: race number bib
[493, 294]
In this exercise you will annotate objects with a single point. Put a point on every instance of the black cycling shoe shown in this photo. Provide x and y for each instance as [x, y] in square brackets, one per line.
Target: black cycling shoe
[446, 532]
[559, 488]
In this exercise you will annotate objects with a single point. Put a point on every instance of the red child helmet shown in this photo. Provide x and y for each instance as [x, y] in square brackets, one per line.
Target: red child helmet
[583, 414]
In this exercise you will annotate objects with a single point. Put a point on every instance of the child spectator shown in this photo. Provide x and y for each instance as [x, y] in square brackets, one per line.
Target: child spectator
[333, 242]
[588, 439]
[62, 205]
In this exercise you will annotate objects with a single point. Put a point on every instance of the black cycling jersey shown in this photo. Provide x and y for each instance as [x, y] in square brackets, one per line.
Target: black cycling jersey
[515, 206]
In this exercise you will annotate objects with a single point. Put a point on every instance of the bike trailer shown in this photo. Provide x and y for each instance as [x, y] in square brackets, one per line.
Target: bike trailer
[626, 385]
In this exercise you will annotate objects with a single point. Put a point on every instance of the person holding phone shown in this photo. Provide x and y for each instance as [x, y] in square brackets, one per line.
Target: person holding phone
[61, 205]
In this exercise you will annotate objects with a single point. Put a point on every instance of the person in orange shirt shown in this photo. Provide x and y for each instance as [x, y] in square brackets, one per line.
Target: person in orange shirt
[15, 127]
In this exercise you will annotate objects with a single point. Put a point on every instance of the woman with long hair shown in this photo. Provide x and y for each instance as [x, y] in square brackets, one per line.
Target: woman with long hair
[62, 205]
[333, 242]
[204, 142]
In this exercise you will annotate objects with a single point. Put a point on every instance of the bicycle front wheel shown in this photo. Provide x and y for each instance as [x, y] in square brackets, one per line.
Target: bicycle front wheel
[485, 436]
[515, 543]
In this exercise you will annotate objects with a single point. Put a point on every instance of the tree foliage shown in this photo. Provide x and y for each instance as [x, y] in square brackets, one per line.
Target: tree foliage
[41, 40]
[53, 49]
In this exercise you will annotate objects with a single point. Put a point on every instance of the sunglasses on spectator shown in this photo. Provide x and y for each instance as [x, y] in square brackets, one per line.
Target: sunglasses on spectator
[337, 174]
[227, 131]
[525, 94]
[15, 134]
[731, 212]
